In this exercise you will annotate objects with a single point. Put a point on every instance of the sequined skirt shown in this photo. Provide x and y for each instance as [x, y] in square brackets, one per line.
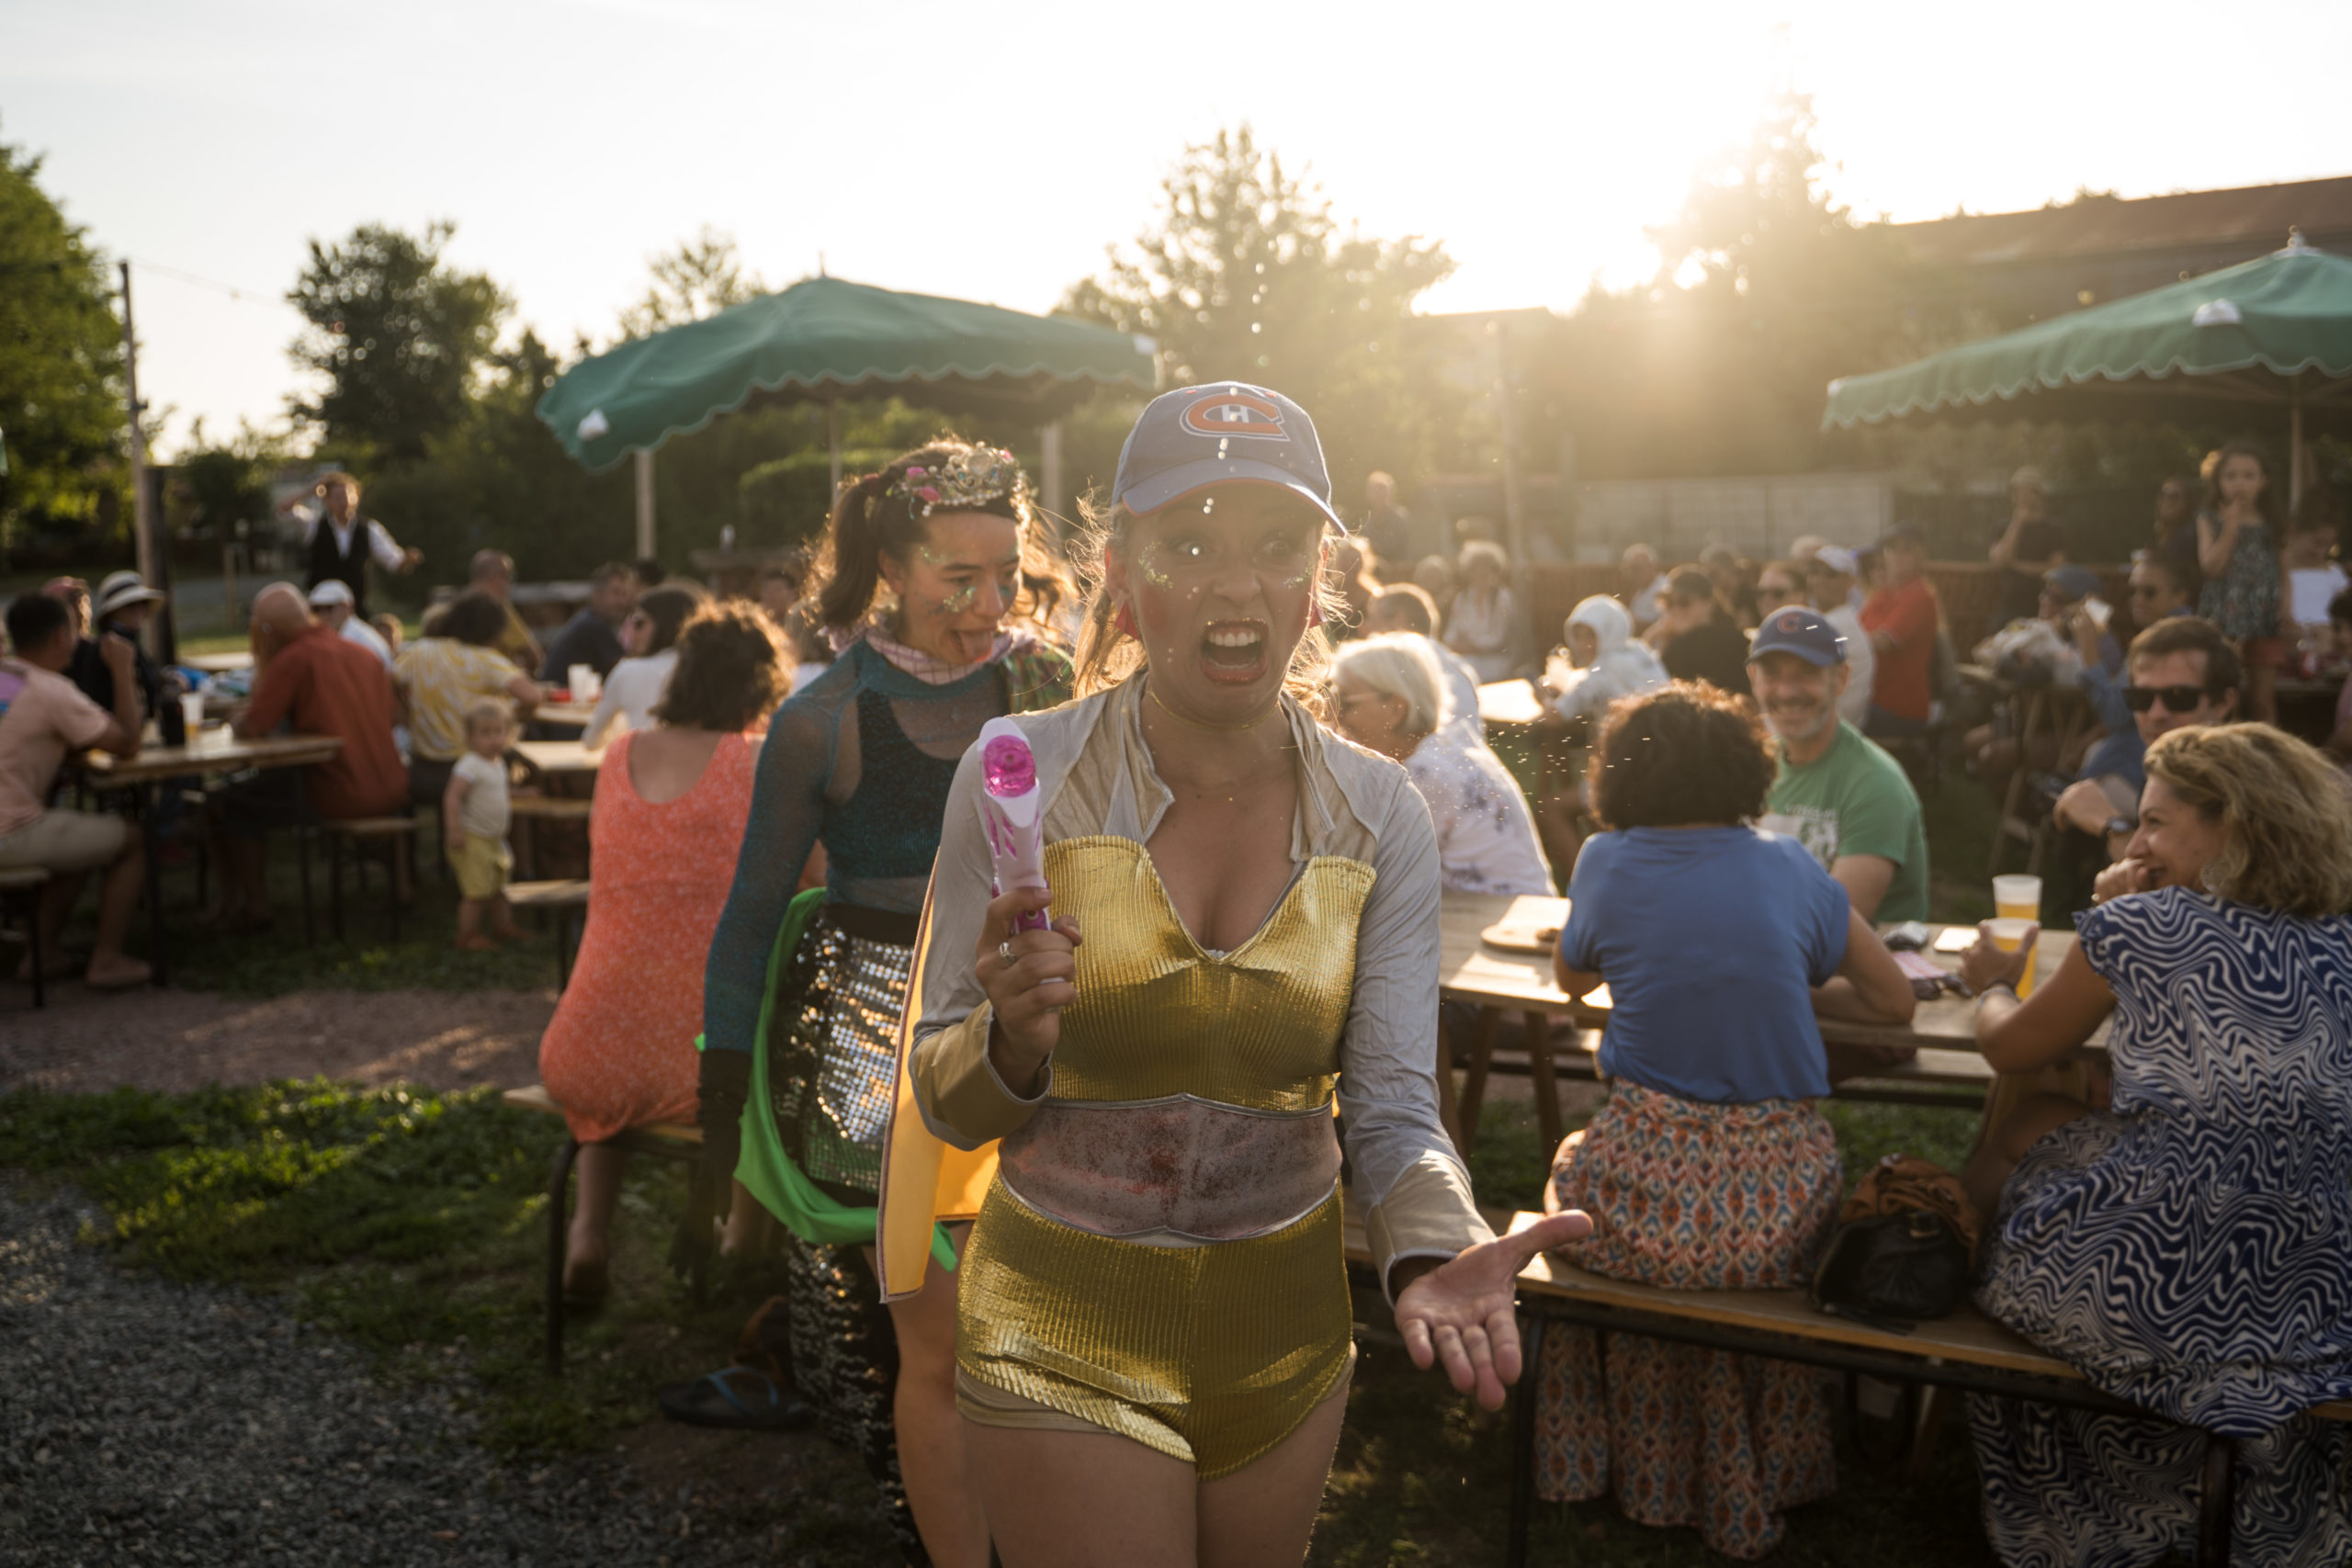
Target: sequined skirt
[834, 1035]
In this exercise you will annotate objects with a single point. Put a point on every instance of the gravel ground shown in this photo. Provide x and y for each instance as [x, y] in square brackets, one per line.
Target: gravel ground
[175, 1040]
[145, 1421]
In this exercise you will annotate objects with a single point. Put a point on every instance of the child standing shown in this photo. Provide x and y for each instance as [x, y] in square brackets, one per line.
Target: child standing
[474, 814]
[2238, 552]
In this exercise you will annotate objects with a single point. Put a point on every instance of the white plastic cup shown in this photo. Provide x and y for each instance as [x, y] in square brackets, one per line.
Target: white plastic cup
[192, 714]
[586, 685]
[2018, 897]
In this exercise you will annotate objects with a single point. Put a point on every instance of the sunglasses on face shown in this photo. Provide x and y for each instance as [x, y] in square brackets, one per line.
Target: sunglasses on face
[2144, 590]
[2177, 699]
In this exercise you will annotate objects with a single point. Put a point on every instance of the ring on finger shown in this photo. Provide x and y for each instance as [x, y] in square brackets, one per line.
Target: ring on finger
[1004, 951]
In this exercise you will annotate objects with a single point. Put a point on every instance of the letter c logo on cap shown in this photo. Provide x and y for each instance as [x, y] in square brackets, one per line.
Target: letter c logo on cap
[1226, 413]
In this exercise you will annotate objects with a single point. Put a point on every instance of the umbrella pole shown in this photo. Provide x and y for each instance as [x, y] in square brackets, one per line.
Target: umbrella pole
[2295, 445]
[833, 441]
[644, 504]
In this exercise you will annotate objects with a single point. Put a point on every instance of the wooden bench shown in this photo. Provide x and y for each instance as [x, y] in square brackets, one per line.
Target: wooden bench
[25, 884]
[561, 897]
[662, 1140]
[1965, 1352]
[528, 810]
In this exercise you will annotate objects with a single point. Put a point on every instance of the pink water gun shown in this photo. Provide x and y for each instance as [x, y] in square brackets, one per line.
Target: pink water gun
[1012, 812]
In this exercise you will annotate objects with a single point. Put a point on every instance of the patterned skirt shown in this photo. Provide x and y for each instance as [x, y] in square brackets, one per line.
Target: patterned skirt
[834, 1032]
[1696, 1197]
[2078, 1489]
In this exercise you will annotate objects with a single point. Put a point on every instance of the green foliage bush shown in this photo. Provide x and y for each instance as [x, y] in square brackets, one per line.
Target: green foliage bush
[785, 502]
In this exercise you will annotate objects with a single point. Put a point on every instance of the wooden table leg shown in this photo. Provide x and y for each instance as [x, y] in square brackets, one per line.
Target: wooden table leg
[1547, 1086]
[1474, 1082]
[151, 845]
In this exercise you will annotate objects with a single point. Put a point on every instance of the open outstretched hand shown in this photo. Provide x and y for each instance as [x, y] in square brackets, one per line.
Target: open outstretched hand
[1461, 1312]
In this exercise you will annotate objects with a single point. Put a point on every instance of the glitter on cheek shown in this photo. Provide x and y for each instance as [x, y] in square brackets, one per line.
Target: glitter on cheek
[955, 603]
[1153, 573]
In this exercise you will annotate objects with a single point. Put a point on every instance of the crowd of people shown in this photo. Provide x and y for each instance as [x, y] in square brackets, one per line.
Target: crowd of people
[1258, 763]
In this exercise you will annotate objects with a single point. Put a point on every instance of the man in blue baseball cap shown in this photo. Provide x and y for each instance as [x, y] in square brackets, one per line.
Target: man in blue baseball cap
[1838, 793]
[1220, 432]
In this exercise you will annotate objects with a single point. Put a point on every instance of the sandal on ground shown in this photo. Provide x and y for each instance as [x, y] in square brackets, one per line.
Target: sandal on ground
[584, 1286]
[475, 945]
[713, 1399]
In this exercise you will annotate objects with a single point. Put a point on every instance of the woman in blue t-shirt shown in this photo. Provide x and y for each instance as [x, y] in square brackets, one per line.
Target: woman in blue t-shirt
[1709, 1168]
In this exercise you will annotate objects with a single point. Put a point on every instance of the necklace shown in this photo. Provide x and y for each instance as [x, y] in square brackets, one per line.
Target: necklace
[1196, 724]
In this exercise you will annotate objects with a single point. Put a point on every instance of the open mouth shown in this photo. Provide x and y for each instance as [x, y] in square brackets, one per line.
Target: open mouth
[1234, 652]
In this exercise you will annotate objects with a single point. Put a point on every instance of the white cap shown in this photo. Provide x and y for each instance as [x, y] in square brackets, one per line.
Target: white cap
[334, 591]
[1836, 558]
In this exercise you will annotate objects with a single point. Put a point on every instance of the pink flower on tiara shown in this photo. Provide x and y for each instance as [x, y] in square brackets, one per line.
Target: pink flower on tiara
[914, 473]
[929, 496]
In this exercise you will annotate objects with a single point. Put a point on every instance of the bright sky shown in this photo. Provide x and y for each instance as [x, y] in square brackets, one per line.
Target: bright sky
[569, 140]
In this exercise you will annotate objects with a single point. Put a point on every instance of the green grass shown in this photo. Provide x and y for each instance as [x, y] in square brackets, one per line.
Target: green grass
[413, 1223]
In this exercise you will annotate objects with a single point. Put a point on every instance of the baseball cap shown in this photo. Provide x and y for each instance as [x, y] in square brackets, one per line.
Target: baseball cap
[1217, 434]
[2072, 582]
[1801, 632]
[334, 591]
[121, 588]
[1837, 558]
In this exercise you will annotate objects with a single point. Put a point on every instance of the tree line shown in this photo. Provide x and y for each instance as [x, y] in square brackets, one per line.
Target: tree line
[419, 377]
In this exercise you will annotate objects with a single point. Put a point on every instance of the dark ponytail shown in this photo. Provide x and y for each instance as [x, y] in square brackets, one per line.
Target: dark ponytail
[849, 568]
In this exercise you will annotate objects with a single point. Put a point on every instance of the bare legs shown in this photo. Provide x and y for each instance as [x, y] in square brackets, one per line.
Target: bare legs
[118, 896]
[932, 1449]
[1074, 1499]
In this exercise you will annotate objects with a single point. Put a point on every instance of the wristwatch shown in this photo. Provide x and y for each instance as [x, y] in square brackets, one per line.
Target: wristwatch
[2121, 826]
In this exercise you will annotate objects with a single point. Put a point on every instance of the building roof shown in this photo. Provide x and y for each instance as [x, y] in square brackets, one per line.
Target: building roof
[2255, 217]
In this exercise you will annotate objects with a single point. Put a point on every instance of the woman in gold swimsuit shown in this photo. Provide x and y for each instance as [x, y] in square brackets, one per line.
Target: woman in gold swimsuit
[1152, 1339]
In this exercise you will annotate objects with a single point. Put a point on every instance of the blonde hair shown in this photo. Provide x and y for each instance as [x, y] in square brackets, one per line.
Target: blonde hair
[2284, 809]
[1485, 550]
[483, 709]
[1398, 665]
[1107, 656]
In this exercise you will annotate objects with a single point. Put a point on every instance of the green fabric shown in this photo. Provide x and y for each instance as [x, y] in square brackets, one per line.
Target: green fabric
[824, 338]
[2145, 357]
[771, 1174]
[1856, 801]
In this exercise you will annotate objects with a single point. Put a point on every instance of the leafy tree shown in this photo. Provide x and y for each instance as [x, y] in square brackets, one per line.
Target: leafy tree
[1767, 291]
[1246, 274]
[217, 489]
[701, 278]
[61, 359]
[398, 334]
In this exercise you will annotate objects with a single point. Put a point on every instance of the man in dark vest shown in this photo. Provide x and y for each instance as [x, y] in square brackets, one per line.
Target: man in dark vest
[343, 545]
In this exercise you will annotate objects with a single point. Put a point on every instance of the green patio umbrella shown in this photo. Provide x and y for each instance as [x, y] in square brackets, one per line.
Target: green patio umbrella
[2276, 332]
[826, 338]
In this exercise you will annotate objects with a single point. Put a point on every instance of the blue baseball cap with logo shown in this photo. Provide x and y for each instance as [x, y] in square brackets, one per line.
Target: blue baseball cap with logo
[1801, 632]
[1221, 433]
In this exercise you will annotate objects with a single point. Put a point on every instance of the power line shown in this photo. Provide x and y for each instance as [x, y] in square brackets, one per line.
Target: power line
[248, 296]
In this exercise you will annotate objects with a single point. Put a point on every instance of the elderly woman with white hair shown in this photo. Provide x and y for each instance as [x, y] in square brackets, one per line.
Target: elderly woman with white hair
[1483, 623]
[1390, 697]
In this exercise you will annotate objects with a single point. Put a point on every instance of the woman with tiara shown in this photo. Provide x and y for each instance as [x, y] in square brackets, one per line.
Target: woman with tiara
[922, 580]
[1153, 1345]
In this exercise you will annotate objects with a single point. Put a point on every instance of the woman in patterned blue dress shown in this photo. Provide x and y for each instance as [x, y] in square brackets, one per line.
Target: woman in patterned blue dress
[2188, 1248]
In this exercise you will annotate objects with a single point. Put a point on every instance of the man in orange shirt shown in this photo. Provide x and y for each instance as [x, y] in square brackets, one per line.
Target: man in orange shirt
[313, 682]
[1902, 618]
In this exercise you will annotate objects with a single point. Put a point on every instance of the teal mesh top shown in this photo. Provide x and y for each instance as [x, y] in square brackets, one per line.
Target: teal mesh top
[858, 761]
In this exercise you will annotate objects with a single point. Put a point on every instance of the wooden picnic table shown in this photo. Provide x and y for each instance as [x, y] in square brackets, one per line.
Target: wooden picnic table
[575, 715]
[1497, 981]
[557, 758]
[213, 752]
[1508, 702]
[218, 663]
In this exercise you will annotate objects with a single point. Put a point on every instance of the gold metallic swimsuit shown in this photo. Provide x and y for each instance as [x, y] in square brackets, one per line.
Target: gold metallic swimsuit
[1159, 1254]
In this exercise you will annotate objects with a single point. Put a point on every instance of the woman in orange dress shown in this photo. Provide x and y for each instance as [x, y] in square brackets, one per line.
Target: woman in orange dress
[672, 802]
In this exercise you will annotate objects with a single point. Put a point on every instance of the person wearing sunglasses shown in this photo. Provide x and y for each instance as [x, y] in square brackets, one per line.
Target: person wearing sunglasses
[2182, 673]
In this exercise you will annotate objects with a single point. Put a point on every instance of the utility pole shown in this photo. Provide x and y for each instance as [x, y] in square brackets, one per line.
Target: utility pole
[141, 533]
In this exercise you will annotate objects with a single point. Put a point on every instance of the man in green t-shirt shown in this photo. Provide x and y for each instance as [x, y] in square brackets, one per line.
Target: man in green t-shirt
[1837, 794]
